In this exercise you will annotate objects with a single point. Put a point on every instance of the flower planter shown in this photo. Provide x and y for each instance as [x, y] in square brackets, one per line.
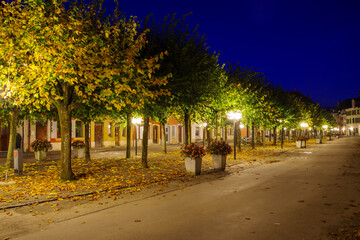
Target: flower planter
[318, 140]
[193, 165]
[301, 144]
[40, 155]
[328, 138]
[79, 153]
[337, 136]
[219, 161]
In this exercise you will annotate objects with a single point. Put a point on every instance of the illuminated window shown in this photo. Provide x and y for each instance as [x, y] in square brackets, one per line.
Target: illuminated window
[79, 133]
[58, 133]
[197, 131]
[109, 129]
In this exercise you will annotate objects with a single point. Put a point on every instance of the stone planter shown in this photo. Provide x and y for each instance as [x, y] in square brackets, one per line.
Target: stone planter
[79, 153]
[318, 140]
[336, 136]
[193, 165]
[301, 144]
[219, 161]
[40, 155]
[328, 138]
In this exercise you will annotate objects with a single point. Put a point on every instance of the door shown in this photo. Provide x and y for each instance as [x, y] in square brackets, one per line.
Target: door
[155, 134]
[180, 134]
[4, 138]
[41, 130]
[117, 136]
[98, 134]
[167, 132]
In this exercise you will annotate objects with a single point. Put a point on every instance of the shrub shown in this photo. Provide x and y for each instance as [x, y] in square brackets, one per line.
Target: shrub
[300, 139]
[41, 145]
[193, 150]
[219, 148]
[78, 144]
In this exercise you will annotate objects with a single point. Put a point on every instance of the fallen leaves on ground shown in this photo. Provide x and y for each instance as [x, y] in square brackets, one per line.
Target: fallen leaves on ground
[110, 177]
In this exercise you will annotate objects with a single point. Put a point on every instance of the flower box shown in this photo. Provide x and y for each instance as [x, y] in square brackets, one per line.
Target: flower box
[219, 161]
[79, 153]
[193, 165]
[301, 144]
[40, 155]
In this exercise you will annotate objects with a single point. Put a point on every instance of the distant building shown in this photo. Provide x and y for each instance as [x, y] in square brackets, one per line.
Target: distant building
[348, 116]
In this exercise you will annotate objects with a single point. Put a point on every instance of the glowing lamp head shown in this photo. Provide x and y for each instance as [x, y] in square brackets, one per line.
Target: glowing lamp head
[304, 125]
[136, 120]
[242, 126]
[234, 115]
[325, 127]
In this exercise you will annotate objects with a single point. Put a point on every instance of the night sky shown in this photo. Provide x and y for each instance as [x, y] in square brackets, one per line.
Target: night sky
[309, 45]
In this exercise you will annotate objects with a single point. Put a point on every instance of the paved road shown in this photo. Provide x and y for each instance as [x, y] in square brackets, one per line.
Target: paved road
[304, 197]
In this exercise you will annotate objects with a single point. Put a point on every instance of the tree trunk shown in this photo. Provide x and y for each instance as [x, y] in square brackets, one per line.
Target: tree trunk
[239, 142]
[187, 130]
[128, 135]
[225, 135]
[14, 117]
[289, 136]
[263, 137]
[270, 135]
[87, 143]
[65, 129]
[144, 156]
[163, 138]
[275, 136]
[282, 137]
[208, 135]
[253, 136]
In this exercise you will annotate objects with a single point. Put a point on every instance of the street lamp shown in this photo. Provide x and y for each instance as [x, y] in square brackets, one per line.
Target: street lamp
[234, 116]
[136, 121]
[304, 125]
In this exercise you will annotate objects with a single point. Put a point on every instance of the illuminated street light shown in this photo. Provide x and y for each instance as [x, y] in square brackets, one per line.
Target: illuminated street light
[136, 121]
[235, 116]
[304, 125]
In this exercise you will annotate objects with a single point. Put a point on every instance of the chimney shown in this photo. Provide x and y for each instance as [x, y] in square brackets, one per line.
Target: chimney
[353, 103]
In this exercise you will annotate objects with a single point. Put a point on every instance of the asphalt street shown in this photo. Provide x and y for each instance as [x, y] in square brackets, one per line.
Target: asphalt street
[306, 196]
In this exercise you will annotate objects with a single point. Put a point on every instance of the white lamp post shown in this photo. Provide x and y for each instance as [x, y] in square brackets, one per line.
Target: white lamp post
[136, 121]
[304, 125]
[234, 116]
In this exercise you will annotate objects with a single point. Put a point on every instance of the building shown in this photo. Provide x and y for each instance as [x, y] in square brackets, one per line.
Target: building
[348, 116]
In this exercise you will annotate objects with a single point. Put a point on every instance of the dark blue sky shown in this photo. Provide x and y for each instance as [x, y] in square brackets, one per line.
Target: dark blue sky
[310, 45]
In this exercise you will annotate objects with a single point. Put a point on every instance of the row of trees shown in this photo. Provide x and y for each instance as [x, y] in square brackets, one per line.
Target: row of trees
[69, 60]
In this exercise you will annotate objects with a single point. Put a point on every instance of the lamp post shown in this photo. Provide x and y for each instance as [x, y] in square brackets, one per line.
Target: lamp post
[304, 126]
[324, 127]
[136, 121]
[234, 116]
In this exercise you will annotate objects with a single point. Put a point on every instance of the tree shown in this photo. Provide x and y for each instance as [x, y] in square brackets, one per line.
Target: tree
[195, 70]
[71, 60]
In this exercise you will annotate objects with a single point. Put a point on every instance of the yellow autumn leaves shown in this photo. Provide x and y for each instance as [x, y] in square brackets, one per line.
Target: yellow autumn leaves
[110, 177]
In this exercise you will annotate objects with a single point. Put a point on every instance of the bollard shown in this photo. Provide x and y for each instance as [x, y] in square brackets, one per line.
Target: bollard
[18, 161]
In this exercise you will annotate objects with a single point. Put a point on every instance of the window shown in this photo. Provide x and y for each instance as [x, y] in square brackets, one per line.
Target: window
[79, 133]
[58, 133]
[197, 131]
[173, 129]
[109, 129]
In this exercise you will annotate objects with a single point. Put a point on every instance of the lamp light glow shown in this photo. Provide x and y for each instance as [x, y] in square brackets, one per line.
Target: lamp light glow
[136, 120]
[234, 115]
[304, 125]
